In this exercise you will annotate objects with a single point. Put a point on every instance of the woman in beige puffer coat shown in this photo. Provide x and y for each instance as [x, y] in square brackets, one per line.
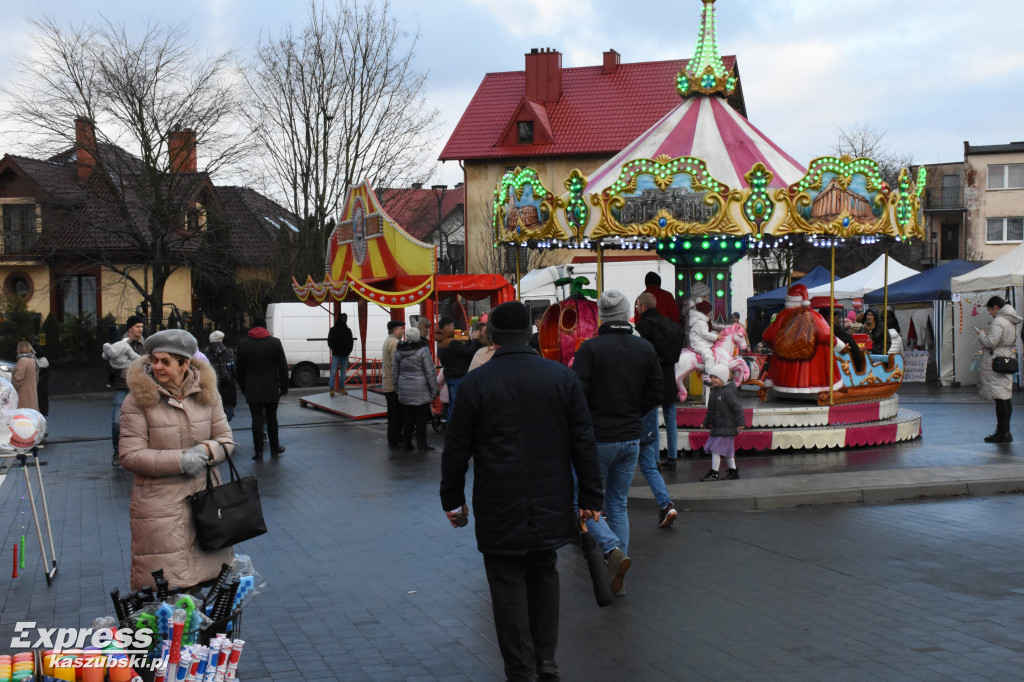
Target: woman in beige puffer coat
[172, 427]
[998, 341]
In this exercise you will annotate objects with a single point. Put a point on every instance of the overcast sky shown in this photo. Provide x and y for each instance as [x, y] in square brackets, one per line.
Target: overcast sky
[930, 73]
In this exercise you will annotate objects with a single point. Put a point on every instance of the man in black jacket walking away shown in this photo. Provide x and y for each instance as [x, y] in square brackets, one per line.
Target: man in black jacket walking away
[524, 421]
[263, 378]
[340, 341]
[622, 382]
[667, 338]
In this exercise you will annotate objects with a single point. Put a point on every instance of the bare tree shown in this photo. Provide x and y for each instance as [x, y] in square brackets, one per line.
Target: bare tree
[335, 103]
[135, 96]
[864, 139]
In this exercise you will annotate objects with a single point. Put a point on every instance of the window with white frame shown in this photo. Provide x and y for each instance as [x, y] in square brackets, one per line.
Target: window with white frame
[1001, 230]
[1006, 176]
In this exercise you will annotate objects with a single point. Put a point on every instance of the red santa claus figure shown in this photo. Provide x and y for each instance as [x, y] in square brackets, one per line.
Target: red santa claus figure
[799, 337]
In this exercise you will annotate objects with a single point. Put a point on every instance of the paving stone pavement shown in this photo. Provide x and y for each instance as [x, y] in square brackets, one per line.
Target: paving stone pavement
[367, 581]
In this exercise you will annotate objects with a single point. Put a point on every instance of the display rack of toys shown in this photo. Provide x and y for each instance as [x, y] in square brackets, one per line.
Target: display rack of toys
[156, 635]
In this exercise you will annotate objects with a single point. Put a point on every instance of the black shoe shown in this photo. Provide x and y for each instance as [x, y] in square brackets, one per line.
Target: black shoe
[732, 475]
[1004, 437]
[258, 457]
[711, 475]
[991, 438]
[274, 452]
[408, 448]
[547, 669]
[425, 448]
[667, 465]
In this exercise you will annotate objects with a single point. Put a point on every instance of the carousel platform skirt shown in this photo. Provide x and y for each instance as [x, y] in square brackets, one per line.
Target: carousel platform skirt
[792, 425]
[787, 413]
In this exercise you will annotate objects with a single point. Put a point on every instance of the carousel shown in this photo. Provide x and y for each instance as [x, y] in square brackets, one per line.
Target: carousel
[702, 188]
[372, 260]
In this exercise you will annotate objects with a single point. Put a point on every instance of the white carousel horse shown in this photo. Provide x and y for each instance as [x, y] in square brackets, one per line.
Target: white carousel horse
[732, 337]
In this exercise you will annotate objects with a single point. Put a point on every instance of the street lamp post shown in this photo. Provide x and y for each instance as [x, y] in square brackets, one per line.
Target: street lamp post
[439, 192]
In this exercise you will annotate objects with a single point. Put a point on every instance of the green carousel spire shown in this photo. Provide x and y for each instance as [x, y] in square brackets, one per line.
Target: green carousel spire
[705, 73]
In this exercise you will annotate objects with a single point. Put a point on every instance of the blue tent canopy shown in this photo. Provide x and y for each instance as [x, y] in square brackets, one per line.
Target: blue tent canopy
[777, 297]
[930, 285]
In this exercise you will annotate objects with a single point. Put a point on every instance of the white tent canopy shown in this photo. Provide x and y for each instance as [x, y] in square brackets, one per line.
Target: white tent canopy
[870, 278]
[1001, 273]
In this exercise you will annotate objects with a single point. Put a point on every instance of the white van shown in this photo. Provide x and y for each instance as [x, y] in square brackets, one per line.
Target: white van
[303, 332]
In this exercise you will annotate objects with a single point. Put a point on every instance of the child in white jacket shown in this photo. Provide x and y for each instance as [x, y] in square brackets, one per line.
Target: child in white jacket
[120, 355]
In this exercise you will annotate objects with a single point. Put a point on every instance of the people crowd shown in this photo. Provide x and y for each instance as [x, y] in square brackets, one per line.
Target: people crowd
[555, 448]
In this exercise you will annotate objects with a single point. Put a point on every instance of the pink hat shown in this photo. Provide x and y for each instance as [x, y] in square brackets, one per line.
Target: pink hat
[851, 316]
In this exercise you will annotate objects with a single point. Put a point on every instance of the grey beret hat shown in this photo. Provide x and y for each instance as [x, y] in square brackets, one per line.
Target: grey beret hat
[177, 341]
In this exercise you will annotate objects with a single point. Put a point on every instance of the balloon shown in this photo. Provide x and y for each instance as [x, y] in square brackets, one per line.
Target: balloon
[26, 429]
[8, 397]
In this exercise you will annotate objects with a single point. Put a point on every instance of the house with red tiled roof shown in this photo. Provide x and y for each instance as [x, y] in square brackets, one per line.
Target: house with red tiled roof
[68, 241]
[555, 119]
[434, 215]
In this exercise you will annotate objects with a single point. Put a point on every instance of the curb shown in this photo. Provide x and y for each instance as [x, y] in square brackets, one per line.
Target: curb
[862, 487]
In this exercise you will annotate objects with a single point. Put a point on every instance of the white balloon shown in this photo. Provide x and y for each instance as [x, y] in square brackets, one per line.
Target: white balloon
[26, 429]
[8, 397]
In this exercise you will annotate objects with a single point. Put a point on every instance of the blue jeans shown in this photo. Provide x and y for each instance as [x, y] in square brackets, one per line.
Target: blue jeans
[649, 458]
[453, 388]
[115, 417]
[618, 464]
[668, 411]
[335, 363]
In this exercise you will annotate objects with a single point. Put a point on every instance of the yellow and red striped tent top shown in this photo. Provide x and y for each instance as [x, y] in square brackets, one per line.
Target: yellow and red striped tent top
[370, 256]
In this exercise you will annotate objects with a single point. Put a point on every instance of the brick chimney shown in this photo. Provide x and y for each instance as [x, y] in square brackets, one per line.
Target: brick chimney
[417, 185]
[85, 147]
[612, 59]
[544, 75]
[181, 149]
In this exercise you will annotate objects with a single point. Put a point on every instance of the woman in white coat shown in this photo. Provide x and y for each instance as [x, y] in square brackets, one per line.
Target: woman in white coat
[998, 341]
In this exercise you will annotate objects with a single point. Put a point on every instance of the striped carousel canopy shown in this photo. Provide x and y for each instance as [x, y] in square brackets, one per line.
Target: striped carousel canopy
[706, 127]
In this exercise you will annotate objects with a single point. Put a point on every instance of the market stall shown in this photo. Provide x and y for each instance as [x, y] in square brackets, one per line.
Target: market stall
[924, 308]
[1002, 277]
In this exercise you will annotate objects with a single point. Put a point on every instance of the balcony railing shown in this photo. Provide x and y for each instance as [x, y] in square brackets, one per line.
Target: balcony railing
[19, 242]
[944, 199]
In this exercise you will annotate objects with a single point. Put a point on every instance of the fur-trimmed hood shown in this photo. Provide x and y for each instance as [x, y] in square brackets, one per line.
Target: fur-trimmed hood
[147, 391]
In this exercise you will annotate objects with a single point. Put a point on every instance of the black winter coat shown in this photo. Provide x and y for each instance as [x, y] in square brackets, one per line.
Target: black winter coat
[456, 356]
[667, 338]
[262, 368]
[222, 359]
[525, 423]
[725, 414]
[340, 339]
[621, 380]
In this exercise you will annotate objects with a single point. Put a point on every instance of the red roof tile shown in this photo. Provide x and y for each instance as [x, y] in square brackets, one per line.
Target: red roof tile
[597, 113]
[415, 210]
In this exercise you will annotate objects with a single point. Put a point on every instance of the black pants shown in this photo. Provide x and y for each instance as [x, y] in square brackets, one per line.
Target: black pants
[415, 417]
[264, 413]
[1004, 410]
[524, 597]
[395, 417]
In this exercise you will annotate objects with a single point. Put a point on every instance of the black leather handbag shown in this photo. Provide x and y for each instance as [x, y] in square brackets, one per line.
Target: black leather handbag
[229, 513]
[1004, 365]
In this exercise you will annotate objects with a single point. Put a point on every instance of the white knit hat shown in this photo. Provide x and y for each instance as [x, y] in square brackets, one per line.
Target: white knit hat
[721, 371]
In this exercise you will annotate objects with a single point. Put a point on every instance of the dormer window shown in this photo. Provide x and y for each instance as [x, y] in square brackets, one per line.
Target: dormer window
[525, 132]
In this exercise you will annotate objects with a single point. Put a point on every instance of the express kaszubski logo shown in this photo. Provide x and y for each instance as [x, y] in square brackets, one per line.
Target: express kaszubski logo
[74, 640]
